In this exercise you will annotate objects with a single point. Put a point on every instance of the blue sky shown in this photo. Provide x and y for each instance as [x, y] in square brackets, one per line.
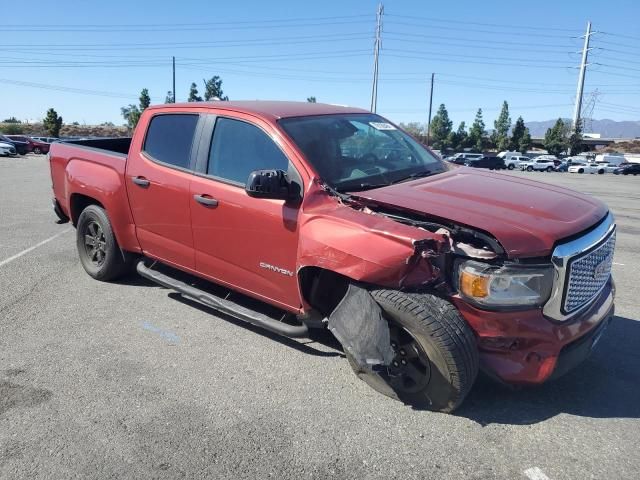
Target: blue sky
[102, 54]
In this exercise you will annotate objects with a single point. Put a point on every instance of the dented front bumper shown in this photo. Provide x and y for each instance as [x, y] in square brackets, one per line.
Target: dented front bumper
[525, 347]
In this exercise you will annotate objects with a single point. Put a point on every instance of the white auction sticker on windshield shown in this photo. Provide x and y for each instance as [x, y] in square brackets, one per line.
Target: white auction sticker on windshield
[382, 126]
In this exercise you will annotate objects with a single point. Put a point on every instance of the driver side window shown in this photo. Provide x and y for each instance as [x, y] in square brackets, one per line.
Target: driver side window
[238, 148]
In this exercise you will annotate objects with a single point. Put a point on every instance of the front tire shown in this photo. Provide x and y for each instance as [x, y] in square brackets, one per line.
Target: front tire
[436, 360]
[98, 248]
[549, 169]
[529, 169]
[511, 166]
[37, 151]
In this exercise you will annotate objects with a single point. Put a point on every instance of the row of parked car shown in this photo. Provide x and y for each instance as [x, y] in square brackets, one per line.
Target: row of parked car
[21, 144]
[547, 163]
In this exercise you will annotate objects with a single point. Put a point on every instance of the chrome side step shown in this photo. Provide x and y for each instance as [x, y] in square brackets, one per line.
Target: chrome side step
[222, 305]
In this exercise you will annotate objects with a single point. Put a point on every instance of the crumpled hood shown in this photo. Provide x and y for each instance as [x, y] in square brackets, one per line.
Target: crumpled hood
[528, 218]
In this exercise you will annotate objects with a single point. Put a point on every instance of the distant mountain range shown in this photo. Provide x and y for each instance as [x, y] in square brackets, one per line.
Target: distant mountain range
[605, 127]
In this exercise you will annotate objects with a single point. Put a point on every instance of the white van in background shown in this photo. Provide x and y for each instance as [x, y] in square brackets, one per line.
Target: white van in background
[610, 159]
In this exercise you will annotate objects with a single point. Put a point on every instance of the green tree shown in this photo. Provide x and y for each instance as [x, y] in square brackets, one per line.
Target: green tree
[500, 135]
[477, 132]
[11, 128]
[52, 123]
[517, 134]
[169, 98]
[440, 128]
[11, 120]
[145, 99]
[459, 139]
[311, 99]
[213, 89]
[131, 114]
[556, 139]
[575, 140]
[412, 128]
[525, 141]
[193, 94]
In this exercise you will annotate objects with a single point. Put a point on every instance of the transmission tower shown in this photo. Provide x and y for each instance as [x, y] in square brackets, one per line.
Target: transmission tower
[588, 107]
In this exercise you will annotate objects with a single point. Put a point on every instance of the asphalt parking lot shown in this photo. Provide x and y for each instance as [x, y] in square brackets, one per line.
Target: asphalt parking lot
[129, 381]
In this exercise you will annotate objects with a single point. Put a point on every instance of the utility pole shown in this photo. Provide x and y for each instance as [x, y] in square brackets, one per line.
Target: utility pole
[174, 79]
[376, 52]
[430, 105]
[583, 68]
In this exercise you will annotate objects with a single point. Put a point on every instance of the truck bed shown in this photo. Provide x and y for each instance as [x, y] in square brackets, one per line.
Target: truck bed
[112, 145]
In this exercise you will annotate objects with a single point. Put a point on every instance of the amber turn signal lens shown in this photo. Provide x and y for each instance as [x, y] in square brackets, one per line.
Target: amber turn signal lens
[474, 285]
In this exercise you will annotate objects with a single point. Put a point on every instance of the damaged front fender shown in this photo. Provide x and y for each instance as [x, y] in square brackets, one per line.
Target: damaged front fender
[371, 248]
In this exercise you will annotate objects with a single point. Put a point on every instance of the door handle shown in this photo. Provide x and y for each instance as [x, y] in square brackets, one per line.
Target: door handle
[141, 181]
[206, 201]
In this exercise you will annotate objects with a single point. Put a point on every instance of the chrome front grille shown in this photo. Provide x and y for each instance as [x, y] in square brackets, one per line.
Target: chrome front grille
[582, 269]
[588, 273]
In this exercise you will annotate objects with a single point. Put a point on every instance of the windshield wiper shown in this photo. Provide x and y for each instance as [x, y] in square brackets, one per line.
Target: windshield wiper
[422, 173]
[343, 197]
[367, 186]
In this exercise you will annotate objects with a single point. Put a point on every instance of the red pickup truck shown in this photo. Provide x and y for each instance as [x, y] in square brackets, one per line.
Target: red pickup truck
[302, 216]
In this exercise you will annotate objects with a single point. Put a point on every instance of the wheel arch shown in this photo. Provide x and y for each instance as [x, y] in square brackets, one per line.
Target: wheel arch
[78, 202]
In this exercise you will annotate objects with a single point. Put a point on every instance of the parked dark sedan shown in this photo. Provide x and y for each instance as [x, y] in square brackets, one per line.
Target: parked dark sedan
[35, 146]
[628, 169]
[492, 163]
[21, 147]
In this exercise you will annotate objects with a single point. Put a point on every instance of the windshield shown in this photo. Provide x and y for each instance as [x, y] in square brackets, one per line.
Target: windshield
[354, 152]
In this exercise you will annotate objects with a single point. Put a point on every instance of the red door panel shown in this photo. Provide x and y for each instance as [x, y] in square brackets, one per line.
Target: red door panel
[248, 243]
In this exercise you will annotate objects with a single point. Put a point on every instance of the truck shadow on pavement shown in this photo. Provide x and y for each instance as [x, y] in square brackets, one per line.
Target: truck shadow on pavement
[606, 385]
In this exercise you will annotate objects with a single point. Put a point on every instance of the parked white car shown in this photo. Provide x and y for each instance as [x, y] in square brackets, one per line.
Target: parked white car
[586, 168]
[7, 149]
[515, 161]
[538, 164]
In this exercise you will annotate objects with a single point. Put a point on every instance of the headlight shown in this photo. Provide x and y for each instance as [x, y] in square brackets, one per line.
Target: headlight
[504, 286]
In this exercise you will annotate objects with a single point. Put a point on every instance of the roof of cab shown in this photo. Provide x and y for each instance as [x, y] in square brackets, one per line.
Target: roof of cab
[268, 109]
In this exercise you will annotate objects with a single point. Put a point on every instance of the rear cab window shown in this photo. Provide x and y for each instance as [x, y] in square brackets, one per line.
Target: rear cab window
[169, 138]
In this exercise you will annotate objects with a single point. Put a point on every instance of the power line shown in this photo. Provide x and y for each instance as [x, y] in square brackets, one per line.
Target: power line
[60, 88]
[210, 43]
[475, 30]
[477, 41]
[36, 29]
[497, 25]
[438, 54]
[224, 22]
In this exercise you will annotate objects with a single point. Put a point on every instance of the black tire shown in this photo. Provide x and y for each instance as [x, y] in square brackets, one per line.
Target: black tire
[101, 257]
[511, 166]
[442, 348]
[581, 170]
[600, 172]
[529, 168]
[549, 169]
[37, 151]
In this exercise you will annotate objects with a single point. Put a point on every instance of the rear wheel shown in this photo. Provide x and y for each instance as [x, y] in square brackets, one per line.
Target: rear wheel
[549, 169]
[581, 170]
[436, 359]
[37, 150]
[97, 246]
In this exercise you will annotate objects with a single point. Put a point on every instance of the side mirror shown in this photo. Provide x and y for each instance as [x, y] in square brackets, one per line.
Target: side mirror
[273, 184]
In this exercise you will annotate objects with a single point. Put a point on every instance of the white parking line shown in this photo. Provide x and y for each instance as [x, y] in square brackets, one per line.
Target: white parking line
[534, 473]
[30, 249]
[621, 264]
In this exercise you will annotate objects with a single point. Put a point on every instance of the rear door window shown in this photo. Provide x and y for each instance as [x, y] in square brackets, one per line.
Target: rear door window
[170, 137]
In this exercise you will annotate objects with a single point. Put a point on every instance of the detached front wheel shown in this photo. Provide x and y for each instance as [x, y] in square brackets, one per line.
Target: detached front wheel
[436, 357]
[97, 246]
